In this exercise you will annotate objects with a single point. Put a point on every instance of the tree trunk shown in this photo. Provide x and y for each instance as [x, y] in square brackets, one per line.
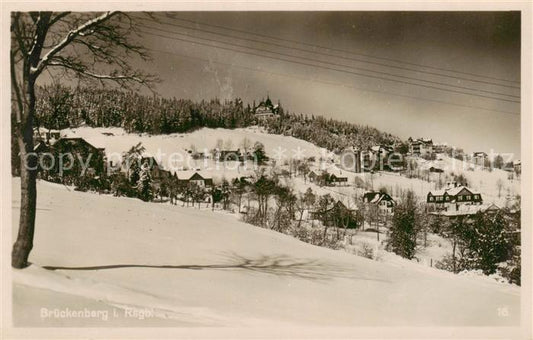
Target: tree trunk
[28, 186]
[453, 255]
[301, 217]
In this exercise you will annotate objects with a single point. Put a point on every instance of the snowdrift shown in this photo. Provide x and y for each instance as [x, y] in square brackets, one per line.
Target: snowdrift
[161, 265]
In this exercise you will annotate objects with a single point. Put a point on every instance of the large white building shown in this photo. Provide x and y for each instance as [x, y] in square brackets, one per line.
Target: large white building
[420, 146]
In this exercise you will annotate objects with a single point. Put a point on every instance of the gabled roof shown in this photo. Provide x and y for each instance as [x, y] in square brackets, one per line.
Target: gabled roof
[151, 161]
[460, 189]
[452, 191]
[376, 197]
[74, 141]
[335, 177]
[440, 192]
[196, 177]
[339, 206]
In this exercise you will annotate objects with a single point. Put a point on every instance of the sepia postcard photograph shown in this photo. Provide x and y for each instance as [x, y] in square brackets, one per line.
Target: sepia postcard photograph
[234, 170]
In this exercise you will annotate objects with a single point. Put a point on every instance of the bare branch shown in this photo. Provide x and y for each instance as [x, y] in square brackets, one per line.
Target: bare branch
[58, 17]
[81, 70]
[71, 35]
[18, 34]
[41, 30]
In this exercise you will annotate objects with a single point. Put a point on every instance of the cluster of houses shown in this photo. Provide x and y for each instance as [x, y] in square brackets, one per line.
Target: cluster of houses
[424, 147]
[222, 155]
[327, 179]
[375, 157]
[340, 215]
[97, 164]
[454, 200]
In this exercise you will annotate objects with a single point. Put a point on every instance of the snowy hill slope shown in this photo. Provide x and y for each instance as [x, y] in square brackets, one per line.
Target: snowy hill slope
[117, 141]
[193, 267]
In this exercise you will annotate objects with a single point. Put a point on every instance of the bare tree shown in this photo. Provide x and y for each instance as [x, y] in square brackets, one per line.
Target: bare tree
[499, 185]
[88, 46]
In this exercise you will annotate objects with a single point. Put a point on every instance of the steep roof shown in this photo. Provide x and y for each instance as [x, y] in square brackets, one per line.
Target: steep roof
[376, 197]
[437, 192]
[196, 177]
[455, 191]
[188, 175]
[75, 141]
[452, 191]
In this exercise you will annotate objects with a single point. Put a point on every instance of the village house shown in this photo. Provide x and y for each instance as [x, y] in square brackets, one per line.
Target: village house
[436, 170]
[420, 147]
[383, 200]
[264, 112]
[334, 180]
[375, 157]
[312, 176]
[49, 136]
[81, 151]
[156, 171]
[453, 197]
[479, 158]
[439, 148]
[266, 109]
[337, 216]
[194, 178]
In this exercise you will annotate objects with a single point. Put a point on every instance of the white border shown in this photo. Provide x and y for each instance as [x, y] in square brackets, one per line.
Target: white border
[524, 331]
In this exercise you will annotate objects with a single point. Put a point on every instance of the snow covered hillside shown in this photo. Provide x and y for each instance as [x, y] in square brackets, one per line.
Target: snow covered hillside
[163, 265]
[116, 141]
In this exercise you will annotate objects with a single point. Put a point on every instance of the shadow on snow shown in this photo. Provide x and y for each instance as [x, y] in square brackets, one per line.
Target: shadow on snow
[279, 265]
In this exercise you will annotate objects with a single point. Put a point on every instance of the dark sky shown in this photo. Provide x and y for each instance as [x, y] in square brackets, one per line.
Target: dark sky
[463, 52]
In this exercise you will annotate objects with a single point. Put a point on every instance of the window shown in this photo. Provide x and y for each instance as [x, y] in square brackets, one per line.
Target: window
[476, 197]
[447, 198]
[468, 197]
[431, 198]
[459, 198]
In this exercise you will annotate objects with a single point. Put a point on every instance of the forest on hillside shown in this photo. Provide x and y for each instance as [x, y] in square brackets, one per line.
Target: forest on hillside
[60, 107]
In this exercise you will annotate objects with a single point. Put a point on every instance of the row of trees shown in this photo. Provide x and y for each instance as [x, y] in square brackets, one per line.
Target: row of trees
[59, 107]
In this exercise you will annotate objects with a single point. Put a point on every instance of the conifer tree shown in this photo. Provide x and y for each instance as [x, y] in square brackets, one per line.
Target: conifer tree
[404, 229]
[144, 184]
